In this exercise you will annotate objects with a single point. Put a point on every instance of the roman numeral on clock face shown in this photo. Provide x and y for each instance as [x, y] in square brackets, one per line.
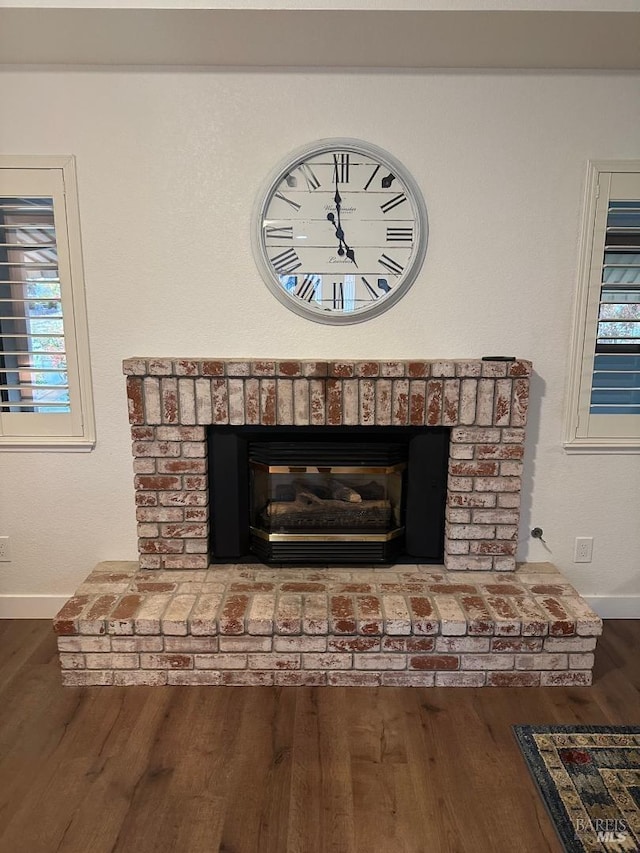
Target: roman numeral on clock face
[338, 296]
[307, 288]
[399, 235]
[341, 162]
[312, 181]
[289, 201]
[286, 262]
[391, 265]
[373, 174]
[393, 203]
[277, 232]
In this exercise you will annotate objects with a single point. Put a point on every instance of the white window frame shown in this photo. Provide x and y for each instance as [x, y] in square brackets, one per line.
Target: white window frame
[56, 177]
[583, 432]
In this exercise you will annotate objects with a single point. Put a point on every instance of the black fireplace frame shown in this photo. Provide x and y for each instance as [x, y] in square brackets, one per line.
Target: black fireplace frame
[424, 497]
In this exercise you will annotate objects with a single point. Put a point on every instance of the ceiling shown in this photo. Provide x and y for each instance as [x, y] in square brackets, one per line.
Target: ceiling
[325, 38]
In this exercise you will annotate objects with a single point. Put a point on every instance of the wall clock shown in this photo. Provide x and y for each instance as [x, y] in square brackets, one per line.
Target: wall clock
[339, 231]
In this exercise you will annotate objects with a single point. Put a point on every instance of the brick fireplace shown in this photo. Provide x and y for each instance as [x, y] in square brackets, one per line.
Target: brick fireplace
[172, 401]
[173, 618]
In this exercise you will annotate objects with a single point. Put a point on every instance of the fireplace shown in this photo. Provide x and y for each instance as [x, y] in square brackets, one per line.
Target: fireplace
[328, 495]
[172, 403]
[176, 618]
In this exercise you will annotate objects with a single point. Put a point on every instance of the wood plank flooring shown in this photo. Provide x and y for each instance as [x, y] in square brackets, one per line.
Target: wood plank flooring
[280, 770]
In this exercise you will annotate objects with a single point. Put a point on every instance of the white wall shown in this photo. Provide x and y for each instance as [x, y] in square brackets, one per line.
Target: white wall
[169, 163]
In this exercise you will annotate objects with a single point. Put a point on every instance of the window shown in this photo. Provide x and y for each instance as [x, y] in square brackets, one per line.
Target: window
[45, 382]
[604, 394]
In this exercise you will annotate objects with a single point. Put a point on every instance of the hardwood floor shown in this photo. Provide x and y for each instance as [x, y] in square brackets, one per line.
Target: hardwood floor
[283, 770]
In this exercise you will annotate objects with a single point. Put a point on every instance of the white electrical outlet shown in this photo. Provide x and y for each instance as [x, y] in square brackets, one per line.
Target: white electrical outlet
[583, 550]
[5, 553]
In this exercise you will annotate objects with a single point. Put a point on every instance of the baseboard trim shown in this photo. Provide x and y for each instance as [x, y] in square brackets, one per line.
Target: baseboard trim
[31, 606]
[615, 606]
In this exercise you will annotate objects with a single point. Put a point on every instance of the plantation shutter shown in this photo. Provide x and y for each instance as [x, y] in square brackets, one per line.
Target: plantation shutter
[40, 383]
[610, 388]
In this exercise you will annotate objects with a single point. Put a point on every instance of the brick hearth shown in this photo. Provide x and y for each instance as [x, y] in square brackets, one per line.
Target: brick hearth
[412, 626]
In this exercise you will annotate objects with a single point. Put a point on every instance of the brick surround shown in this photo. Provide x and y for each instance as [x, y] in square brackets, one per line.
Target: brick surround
[172, 401]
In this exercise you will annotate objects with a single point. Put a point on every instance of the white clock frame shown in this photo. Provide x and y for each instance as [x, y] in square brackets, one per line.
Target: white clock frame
[270, 187]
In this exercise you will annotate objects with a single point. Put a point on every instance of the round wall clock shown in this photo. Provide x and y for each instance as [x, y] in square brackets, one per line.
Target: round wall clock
[340, 231]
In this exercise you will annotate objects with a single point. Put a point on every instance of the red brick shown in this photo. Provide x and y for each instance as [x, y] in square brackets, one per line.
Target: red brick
[156, 483]
[435, 662]
[233, 614]
[435, 389]
[342, 369]
[183, 531]
[139, 433]
[417, 369]
[166, 661]
[182, 466]
[263, 368]
[400, 402]
[520, 402]
[473, 469]
[289, 368]
[303, 587]
[219, 401]
[367, 368]
[498, 644]
[453, 588]
[499, 451]
[135, 400]
[180, 433]
[268, 401]
[353, 644]
[342, 615]
[212, 368]
[513, 679]
[126, 608]
[334, 402]
[169, 399]
[451, 402]
[392, 368]
[65, 621]
[160, 546]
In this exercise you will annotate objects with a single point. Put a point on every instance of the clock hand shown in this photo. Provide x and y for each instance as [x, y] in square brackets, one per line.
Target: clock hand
[343, 248]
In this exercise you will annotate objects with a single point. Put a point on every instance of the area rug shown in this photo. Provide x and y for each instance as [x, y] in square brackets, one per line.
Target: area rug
[589, 779]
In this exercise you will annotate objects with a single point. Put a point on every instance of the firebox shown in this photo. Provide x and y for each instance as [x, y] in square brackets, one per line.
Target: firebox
[345, 495]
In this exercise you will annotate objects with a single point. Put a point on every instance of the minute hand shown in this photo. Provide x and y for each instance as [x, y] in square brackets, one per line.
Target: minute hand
[343, 248]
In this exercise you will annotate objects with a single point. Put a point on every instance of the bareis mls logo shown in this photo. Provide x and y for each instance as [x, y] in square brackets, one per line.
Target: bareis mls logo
[606, 831]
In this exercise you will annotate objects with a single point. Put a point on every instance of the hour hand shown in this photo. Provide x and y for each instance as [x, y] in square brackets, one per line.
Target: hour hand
[351, 255]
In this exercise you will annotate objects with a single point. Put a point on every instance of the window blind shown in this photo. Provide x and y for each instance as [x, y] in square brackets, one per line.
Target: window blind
[616, 368]
[33, 356]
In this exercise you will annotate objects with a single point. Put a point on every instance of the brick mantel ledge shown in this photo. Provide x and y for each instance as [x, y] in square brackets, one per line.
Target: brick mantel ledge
[172, 401]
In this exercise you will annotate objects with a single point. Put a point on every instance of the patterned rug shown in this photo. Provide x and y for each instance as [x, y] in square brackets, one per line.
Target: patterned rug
[589, 778]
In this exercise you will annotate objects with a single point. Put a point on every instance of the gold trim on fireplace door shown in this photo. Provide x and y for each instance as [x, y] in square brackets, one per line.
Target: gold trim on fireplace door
[328, 469]
[328, 537]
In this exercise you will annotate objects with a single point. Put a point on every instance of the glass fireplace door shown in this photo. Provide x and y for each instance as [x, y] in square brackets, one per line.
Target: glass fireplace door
[320, 506]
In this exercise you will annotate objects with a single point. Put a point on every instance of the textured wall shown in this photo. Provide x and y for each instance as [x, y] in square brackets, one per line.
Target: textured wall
[169, 163]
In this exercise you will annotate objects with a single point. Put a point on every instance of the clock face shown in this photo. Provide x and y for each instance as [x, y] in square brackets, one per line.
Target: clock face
[340, 231]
